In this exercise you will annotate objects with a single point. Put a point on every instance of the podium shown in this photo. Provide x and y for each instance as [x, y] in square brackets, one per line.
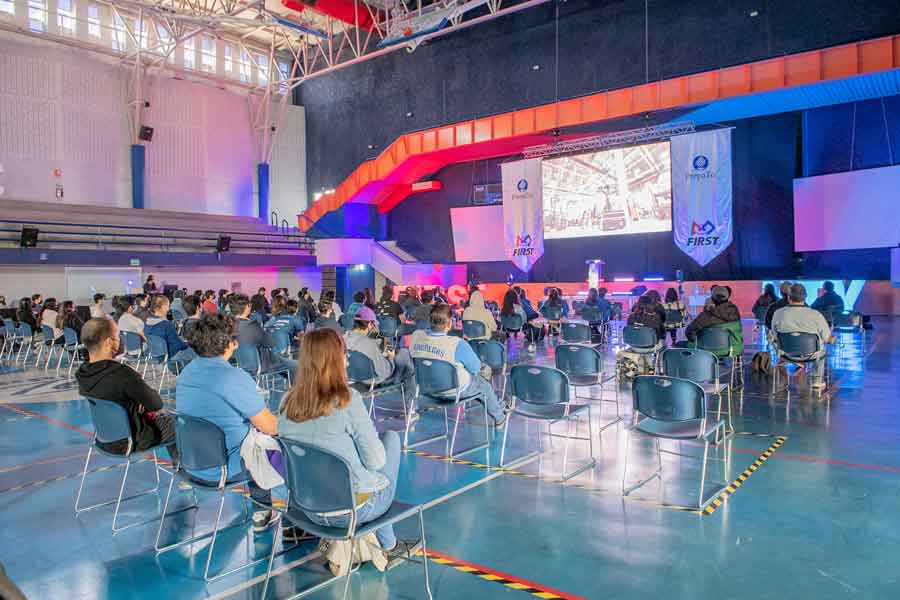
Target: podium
[595, 271]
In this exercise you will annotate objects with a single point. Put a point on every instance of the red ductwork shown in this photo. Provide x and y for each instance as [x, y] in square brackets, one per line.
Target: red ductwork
[342, 10]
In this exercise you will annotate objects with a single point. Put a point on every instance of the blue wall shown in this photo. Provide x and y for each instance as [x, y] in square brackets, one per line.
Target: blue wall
[487, 69]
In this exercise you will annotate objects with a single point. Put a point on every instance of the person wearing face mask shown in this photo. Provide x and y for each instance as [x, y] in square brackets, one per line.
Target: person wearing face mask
[105, 378]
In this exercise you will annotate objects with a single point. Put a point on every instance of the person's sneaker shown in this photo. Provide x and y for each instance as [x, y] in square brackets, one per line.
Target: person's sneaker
[502, 421]
[261, 520]
[404, 550]
[294, 535]
[532, 348]
[818, 385]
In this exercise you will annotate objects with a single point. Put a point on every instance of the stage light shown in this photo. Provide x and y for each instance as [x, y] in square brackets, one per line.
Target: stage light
[622, 279]
[653, 279]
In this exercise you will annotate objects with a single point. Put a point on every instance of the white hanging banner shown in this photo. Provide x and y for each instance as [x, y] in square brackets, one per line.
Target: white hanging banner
[702, 194]
[523, 212]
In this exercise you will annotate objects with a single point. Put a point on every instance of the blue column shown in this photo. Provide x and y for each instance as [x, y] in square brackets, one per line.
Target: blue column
[138, 161]
[262, 182]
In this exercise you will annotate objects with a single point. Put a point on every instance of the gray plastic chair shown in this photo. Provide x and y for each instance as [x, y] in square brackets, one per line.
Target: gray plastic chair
[575, 333]
[72, 348]
[583, 365]
[701, 367]
[542, 394]
[493, 354]
[437, 386]
[474, 330]
[361, 374]
[800, 349]
[111, 424]
[319, 481]
[674, 409]
[718, 341]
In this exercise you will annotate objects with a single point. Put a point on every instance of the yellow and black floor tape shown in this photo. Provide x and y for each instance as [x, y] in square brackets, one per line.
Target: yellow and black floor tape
[731, 488]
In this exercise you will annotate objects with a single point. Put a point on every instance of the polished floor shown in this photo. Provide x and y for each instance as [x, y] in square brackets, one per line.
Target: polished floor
[816, 515]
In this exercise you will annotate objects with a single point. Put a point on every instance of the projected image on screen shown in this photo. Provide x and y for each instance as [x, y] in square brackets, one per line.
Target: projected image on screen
[613, 192]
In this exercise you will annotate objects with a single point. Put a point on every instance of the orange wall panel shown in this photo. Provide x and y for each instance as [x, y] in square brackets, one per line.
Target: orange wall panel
[619, 103]
[673, 92]
[646, 97]
[570, 112]
[503, 126]
[545, 117]
[446, 138]
[483, 130]
[414, 143]
[429, 141]
[767, 75]
[523, 122]
[803, 68]
[464, 134]
[593, 108]
[734, 81]
[877, 55]
[703, 87]
[840, 62]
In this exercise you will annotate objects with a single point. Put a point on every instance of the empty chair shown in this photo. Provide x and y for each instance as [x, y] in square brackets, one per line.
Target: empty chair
[435, 379]
[319, 481]
[8, 333]
[71, 348]
[493, 354]
[157, 357]
[542, 394]
[474, 330]
[721, 342]
[111, 424]
[674, 320]
[669, 408]
[594, 317]
[201, 445]
[575, 333]
[48, 345]
[583, 365]
[701, 367]
[133, 349]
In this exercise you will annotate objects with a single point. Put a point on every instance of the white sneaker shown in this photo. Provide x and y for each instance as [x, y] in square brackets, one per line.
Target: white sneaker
[261, 520]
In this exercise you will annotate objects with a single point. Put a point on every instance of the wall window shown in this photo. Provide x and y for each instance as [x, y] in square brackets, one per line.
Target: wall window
[93, 19]
[119, 36]
[65, 17]
[229, 60]
[165, 45]
[208, 54]
[244, 66]
[141, 33]
[8, 7]
[37, 15]
[262, 73]
[190, 54]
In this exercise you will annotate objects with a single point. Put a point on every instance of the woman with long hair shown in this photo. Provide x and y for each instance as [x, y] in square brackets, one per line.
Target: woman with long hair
[321, 409]
[512, 306]
[49, 313]
[68, 317]
[258, 309]
[767, 298]
[672, 303]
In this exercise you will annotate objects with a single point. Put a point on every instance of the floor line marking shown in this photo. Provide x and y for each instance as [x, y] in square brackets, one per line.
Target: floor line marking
[505, 579]
[33, 484]
[735, 485]
[831, 462]
[46, 461]
[47, 419]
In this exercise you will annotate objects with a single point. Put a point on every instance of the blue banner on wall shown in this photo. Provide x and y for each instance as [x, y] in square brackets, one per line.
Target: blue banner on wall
[702, 194]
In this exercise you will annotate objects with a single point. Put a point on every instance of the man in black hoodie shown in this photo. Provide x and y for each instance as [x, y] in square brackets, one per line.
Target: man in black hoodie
[105, 378]
[829, 303]
[722, 311]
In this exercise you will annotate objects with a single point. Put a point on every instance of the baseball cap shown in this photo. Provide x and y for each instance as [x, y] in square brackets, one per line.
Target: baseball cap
[720, 293]
[365, 314]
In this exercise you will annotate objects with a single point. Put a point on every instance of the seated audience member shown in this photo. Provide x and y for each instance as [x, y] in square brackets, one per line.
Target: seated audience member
[37, 303]
[141, 306]
[105, 378]
[390, 366]
[68, 318]
[829, 303]
[267, 306]
[97, 310]
[512, 306]
[308, 311]
[554, 301]
[796, 317]
[335, 307]
[285, 316]
[766, 299]
[49, 314]
[2, 301]
[150, 285]
[250, 333]
[476, 311]
[658, 307]
[222, 299]
[436, 344]
[387, 306]
[525, 302]
[673, 303]
[645, 314]
[259, 309]
[210, 388]
[157, 324]
[785, 289]
[410, 300]
[209, 304]
[126, 320]
[722, 313]
[439, 296]
[322, 410]
[359, 299]
[25, 314]
[423, 311]
[326, 319]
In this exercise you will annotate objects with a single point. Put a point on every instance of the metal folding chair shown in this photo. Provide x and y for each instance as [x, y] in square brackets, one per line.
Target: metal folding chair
[701, 367]
[319, 481]
[111, 424]
[800, 349]
[247, 358]
[48, 344]
[361, 374]
[594, 317]
[643, 340]
[437, 385]
[583, 365]
[157, 356]
[575, 333]
[669, 408]
[8, 332]
[474, 330]
[511, 323]
[72, 348]
[25, 337]
[554, 315]
[201, 446]
[493, 354]
[542, 394]
[134, 349]
[718, 341]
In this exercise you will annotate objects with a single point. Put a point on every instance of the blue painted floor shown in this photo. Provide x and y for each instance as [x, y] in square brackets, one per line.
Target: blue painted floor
[820, 518]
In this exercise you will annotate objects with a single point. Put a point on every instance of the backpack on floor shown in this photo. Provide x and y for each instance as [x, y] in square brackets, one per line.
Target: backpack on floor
[629, 364]
[761, 363]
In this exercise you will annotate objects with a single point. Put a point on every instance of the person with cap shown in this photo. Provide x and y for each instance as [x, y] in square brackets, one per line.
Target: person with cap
[391, 367]
[721, 313]
[797, 317]
[785, 290]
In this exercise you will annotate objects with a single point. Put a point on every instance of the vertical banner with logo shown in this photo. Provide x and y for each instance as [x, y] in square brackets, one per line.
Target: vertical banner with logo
[523, 212]
[701, 194]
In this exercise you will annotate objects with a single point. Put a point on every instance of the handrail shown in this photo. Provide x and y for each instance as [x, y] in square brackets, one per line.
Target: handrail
[285, 227]
[163, 236]
[103, 225]
[273, 218]
[212, 246]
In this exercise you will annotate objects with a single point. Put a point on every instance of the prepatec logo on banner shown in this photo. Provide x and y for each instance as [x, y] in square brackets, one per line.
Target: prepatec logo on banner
[700, 168]
[522, 186]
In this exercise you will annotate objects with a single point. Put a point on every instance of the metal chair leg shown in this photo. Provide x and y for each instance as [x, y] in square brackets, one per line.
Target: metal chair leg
[212, 544]
[424, 554]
